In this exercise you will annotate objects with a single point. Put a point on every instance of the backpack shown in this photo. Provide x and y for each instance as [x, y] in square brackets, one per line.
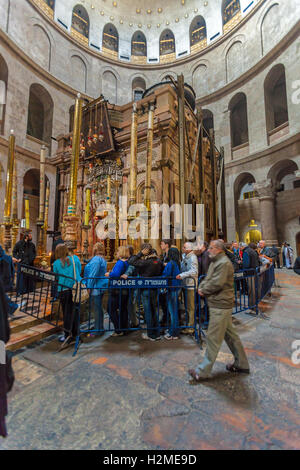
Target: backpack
[5, 274]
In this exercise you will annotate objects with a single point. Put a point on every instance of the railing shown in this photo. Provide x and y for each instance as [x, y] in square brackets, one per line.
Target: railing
[47, 296]
[156, 305]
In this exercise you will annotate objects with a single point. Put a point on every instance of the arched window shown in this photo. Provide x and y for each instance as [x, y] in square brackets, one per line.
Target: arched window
[110, 86]
[71, 117]
[231, 14]
[238, 120]
[40, 114]
[167, 46]
[48, 7]
[110, 40]
[80, 22]
[3, 92]
[139, 47]
[277, 116]
[208, 120]
[284, 175]
[138, 88]
[198, 35]
[50, 3]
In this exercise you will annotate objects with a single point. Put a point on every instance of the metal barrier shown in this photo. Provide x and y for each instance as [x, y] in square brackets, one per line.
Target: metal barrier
[152, 304]
[156, 305]
[48, 297]
[250, 287]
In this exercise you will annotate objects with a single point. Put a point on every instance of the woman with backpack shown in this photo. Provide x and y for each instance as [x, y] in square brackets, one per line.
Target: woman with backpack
[68, 274]
[118, 298]
[172, 269]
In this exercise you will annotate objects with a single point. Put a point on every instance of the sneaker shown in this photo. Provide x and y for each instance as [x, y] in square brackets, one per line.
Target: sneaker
[188, 331]
[62, 338]
[198, 376]
[145, 336]
[69, 340]
[169, 337]
[117, 334]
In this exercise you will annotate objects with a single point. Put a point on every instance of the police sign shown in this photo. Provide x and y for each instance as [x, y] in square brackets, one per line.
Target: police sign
[141, 283]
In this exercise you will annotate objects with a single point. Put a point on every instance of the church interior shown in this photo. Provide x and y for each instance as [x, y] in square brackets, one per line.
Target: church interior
[167, 102]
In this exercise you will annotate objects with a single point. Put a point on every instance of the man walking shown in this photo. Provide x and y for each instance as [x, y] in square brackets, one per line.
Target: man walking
[218, 288]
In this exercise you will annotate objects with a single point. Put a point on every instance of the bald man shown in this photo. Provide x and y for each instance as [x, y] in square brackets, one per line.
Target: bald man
[218, 288]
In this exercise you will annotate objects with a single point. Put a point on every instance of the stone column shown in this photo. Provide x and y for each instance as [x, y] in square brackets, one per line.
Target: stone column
[266, 194]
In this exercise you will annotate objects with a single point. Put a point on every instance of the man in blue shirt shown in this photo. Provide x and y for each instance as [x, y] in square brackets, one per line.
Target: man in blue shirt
[94, 275]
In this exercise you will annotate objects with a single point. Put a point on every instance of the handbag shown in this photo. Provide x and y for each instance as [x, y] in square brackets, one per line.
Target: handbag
[76, 292]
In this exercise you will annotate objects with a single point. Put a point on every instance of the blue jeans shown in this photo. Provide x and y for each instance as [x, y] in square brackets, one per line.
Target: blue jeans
[131, 307]
[149, 301]
[172, 298]
[97, 310]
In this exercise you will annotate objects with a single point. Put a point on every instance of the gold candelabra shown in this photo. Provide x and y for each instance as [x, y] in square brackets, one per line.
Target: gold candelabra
[8, 192]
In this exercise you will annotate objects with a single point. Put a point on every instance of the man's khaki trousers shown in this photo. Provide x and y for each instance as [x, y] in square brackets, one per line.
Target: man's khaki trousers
[189, 294]
[220, 328]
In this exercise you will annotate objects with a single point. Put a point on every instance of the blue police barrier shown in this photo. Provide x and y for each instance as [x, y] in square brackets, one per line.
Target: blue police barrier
[126, 305]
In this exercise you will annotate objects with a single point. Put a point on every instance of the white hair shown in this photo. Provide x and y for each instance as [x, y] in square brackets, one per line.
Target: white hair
[219, 244]
[190, 246]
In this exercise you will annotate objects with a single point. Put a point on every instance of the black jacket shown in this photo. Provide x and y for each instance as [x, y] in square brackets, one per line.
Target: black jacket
[203, 263]
[150, 267]
[25, 251]
[6, 372]
[297, 265]
[6, 270]
[250, 259]
[234, 259]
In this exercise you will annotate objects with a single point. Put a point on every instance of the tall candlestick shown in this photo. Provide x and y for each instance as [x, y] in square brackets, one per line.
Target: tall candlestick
[40, 221]
[27, 222]
[14, 214]
[14, 219]
[9, 177]
[75, 156]
[42, 182]
[108, 189]
[45, 226]
[149, 156]
[133, 157]
[87, 206]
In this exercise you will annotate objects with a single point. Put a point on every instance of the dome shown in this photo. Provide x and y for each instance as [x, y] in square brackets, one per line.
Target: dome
[167, 30]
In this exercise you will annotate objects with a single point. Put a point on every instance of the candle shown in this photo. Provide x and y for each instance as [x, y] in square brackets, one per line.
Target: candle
[108, 189]
[27, 213]
[42, 182]
[87, 206]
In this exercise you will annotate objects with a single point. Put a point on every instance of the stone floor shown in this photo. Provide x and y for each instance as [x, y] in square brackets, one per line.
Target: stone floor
[127, 393]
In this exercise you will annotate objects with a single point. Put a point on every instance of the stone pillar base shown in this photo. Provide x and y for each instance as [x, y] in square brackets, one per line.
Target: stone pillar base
[7, 238]
[71, 230]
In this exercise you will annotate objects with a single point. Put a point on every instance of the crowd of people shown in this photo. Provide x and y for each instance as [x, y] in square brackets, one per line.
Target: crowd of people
[163, 309]
[166, 310]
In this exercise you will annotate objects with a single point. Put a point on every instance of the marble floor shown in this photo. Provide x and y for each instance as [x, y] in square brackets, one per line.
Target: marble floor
[127, 393]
